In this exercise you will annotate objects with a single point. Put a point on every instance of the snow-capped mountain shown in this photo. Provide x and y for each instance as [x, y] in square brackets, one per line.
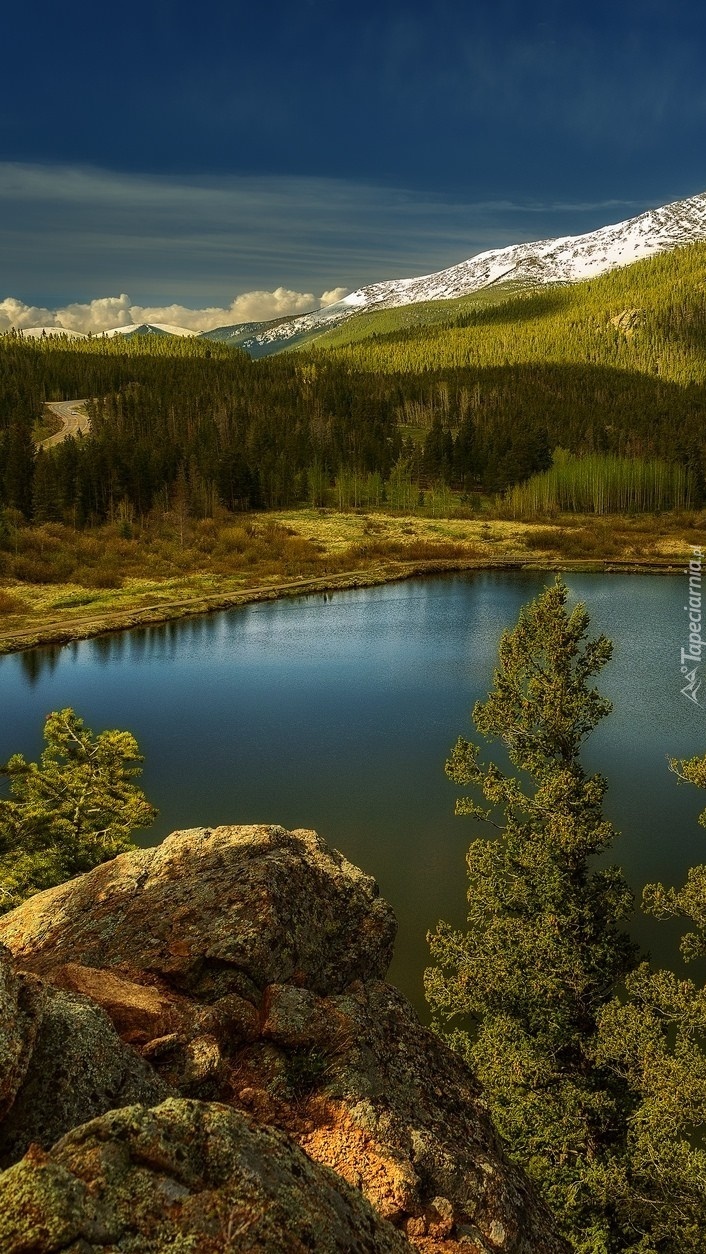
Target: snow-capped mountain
[144, 328]
[564, 260]
[35, 333]
[150, 328]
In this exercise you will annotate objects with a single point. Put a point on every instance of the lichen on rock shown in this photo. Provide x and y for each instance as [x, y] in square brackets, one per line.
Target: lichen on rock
[215, 911]
[78, 1068]
[183, 1176]
[21, 1004]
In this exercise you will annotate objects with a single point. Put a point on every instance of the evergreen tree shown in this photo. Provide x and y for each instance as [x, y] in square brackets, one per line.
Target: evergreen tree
[544, 945]
[654, 1039]
[18, 462]
[75, 808]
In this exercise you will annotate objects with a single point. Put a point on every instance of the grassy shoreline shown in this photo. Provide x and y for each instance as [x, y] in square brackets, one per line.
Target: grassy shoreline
[300, 552]
[54, 632]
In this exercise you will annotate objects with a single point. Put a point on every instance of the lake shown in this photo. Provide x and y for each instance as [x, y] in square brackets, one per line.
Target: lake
[337, 713]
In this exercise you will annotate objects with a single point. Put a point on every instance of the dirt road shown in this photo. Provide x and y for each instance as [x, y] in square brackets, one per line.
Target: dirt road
[73, 417]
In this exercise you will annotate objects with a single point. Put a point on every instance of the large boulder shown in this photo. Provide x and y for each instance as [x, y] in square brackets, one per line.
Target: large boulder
[183, 1176]
[212, 912]
[21, 1001]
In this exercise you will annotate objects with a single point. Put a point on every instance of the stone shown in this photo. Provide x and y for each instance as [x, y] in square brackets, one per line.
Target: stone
[213, 912]
[185, 1175]
[21, 1007]
[138, 1011]
[77, 1068]
[192, 1066]
[400, 1115]
[231, 1020]
[296, 1017]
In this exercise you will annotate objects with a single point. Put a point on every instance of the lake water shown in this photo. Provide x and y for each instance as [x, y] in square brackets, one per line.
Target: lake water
[338, 714]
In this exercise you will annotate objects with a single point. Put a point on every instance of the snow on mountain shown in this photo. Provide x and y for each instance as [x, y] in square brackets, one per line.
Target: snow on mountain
[35, 333]
[564, 260]
[150, 328]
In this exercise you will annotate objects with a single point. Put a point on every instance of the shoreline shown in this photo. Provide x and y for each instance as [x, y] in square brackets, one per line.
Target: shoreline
[56, 633]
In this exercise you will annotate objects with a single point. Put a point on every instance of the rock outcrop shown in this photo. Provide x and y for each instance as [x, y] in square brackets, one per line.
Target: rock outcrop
[20, 1016]
[247, 964]
[183, 1176]
[213, 912]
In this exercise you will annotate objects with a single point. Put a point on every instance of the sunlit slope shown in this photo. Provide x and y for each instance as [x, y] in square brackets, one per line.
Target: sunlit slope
[423, 314]
[649, 318]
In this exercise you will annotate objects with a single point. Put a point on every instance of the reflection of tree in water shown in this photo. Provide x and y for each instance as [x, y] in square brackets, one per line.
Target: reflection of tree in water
[37, 662]
[108, 648]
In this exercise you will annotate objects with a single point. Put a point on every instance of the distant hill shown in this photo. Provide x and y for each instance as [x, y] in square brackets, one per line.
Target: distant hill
[36, 333]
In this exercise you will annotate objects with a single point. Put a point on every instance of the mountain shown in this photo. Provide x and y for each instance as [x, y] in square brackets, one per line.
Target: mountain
[145, 328]
[255, 337]
[564, 260]
[567, 259]
[150, 328]
[35, 333]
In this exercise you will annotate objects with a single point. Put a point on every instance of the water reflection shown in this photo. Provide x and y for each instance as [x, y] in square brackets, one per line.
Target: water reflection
[109, 648]
[36, 662]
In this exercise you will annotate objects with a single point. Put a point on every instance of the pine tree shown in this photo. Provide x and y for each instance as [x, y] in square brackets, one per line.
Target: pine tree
[654, 1038]
[68, 812]
[520, 990]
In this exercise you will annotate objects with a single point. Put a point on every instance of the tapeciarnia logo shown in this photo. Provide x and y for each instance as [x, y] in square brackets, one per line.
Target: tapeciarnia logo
[692, 656]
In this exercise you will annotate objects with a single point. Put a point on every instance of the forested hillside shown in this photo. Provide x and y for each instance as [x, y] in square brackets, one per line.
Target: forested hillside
[616, 364]
[648, 317]
[183, 417]
[477, 397]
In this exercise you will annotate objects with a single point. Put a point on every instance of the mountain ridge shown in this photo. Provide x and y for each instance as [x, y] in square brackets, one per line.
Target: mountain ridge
[564, 259]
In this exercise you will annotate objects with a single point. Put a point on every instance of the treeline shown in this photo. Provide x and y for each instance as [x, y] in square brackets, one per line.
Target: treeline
[182, 419]
[194, 426]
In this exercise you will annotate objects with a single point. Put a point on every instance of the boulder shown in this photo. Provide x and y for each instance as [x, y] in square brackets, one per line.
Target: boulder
[213, 912]
[185, 1175]
[139, 1012]
[365, 1089]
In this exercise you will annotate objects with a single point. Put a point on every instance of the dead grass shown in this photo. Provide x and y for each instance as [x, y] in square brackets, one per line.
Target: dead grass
[53, 577]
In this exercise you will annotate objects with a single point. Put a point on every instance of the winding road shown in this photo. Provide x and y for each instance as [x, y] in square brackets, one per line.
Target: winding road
[73, 419]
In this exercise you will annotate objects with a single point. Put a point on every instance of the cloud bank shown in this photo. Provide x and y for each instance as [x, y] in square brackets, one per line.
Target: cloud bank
[106, 312]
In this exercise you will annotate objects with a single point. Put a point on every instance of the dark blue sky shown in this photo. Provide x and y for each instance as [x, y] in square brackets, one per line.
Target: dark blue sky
[189, 153]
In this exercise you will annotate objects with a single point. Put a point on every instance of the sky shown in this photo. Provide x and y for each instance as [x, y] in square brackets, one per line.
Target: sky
[204, 165]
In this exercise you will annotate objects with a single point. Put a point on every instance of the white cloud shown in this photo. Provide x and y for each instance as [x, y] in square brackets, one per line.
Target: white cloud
[14, 313]
[106, 312]
[98, 315]
[336, 293]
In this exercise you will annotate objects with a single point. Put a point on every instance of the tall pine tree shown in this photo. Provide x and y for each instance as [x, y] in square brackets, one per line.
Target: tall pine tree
[520, 990]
